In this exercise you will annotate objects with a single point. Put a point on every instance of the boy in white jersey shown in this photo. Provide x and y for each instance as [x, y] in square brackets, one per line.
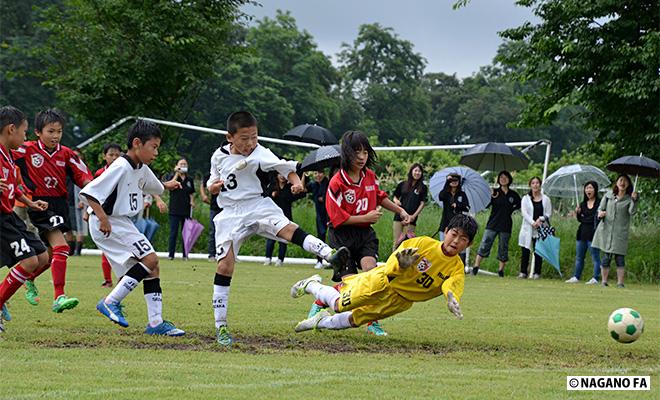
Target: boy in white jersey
[238, 170]
[115, 197]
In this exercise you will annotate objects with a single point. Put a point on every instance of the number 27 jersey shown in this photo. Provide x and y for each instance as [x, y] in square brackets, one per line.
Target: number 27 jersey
[346, 198]
[119, 189]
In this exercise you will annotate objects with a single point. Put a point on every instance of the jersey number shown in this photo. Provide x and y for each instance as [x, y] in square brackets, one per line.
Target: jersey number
[362, 205]
[230, 183]
[142, 246]
[19, 248]
[50, 182]
[56, 220]
[425, 280]
[11, 191]
[133, 201]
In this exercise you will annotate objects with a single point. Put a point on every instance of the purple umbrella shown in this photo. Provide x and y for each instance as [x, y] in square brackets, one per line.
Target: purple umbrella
[191, 231]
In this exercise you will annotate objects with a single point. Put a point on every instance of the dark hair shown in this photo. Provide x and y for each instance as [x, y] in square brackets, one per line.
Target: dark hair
[529, 183]
[446, 187]
[10, 115]
[629, 189]
[351, 142]
[240, 119]
[595, 186]
[46, 117]
[143, 130]
[409, 187]
[108, 146]
[465, 223]
[507, 174]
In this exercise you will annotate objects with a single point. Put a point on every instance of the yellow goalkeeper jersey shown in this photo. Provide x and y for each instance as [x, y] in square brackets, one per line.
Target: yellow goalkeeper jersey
[433, 275]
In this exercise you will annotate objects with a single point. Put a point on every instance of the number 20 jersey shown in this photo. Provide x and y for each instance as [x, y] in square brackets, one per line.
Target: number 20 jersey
[119, 189]
[346, 198]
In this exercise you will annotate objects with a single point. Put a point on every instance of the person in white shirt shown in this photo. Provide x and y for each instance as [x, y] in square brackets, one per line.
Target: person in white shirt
[115, 197]
[239, 175]
[536, 209]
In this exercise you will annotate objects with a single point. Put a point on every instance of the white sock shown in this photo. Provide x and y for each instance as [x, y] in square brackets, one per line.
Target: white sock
[337, 321]
[316, 246]
[123, 288]
[220, 300]
[327, 294]
[154, 308]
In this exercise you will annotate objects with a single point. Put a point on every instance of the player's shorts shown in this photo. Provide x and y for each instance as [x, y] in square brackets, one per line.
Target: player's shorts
[56, 217]
[370, 297]
[125, 245]
[16, 242]
[235, 224]
[362, 242]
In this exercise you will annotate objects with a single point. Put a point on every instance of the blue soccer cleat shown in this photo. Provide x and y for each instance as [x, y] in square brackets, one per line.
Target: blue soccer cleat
[314, 309]
[376, 329]
[165, 328]
[114, 312]
[5, 313]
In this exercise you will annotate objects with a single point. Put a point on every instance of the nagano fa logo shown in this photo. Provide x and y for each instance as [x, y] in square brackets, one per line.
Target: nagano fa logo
[37, 160]
[423, 265]
[349, 195]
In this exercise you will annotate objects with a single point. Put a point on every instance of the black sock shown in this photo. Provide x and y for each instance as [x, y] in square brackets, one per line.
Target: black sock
[222, 280]
[299, 237]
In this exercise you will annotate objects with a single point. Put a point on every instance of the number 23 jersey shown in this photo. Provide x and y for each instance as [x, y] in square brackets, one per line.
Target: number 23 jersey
[346, 198]
[119, 189]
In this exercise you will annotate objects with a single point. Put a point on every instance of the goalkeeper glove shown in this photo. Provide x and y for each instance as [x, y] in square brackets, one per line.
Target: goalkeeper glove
[453, 306]
[407, 257]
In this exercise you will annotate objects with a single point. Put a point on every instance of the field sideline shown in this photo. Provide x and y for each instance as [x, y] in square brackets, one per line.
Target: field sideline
[519, 339]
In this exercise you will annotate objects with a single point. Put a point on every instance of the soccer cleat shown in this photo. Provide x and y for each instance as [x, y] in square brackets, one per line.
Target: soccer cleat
[618, 285]
[592, 281]
[311, 323]
[315, 309]
[32, 293]
[62, 303]
[298, 289]
[114, 312]
[223, 337]
[339, 259]
[2, 324]
[5, 313]
[475, 271]
[165, 328]
[376, 329]
[573, 280]
[500, 273]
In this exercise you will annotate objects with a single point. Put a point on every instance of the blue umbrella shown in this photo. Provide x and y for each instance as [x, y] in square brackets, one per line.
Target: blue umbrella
[548, 248]
[474, 185]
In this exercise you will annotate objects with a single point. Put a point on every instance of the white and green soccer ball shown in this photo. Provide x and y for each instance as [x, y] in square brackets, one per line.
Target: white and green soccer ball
[625, 325]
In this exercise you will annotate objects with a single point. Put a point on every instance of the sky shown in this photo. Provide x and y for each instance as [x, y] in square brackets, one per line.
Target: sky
[452, 41]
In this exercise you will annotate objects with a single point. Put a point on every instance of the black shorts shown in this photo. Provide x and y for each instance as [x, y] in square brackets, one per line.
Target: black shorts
[56, 217]
[16, 242]
[362, 242]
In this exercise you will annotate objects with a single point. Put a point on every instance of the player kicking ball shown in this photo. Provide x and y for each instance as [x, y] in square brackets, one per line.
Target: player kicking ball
[238, 175]
[420, 269]
[115, 197]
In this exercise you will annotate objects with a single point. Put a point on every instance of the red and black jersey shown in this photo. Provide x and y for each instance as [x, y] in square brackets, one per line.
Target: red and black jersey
[10, 176]
[346, 198]
[100, 171]
[44, 173]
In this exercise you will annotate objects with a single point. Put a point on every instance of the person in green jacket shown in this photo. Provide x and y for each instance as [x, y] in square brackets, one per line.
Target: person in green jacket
[611, 237]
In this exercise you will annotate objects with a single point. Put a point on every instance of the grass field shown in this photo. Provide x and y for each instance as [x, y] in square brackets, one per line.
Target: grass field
[519, 339]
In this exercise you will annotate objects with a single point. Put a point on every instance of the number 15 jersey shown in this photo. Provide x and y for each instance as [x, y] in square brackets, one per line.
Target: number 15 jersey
[120, 188]
[346, 198]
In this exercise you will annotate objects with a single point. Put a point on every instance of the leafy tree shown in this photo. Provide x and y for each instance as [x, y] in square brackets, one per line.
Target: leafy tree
[601, 55]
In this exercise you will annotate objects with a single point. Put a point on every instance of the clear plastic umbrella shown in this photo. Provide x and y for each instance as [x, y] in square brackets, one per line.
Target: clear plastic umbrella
[567, 181]
[474, 185]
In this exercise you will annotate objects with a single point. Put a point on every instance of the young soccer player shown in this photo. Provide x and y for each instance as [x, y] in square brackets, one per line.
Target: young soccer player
[421, 268]
[20, 248]
[115, 197]
[239, 174]
[352, 203]
[45, 165]
[111, 151]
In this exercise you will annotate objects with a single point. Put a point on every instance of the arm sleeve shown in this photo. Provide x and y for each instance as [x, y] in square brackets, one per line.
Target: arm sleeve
[152, 185]
[192, 186]
[464, 204]
[527, 211]
[333, 205]
[547, 210]
[397, 191]
[603, 204]
[79, 170]
[213, 173]
[270, 162]
[455, 285]
[424, 195]
[632, 208]
[100, 188]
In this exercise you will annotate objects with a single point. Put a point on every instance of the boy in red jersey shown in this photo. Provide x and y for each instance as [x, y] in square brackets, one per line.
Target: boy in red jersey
[44, 165]
[353, 202]
[19, 248]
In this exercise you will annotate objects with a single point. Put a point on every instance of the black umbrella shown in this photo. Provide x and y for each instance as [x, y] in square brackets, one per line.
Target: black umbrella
[311, 134]
[323, 157]
[636, 165]
[494, 157]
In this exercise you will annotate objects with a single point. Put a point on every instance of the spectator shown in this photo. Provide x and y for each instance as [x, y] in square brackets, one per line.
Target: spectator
[587, 215]
[503, 203]
[454, 201]
[411, 195]
[214, 209]
[536, 209]
[318, 189]
[182, 201]
[280, 192]
[611, 236]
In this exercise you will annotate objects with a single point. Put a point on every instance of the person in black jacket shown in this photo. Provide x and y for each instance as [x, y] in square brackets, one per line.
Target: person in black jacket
[454, 201]
[280, 191]
[181, 204]
[317, 190]
[586, 214]
[411, 195]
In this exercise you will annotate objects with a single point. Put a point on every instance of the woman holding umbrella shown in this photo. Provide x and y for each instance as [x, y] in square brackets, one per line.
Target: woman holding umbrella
[411, 195]
[454, 201]
[536, 209]
[587, 215]
[611, 237]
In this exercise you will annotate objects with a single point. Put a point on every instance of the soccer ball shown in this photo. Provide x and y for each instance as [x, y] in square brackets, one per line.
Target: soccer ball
[625, 325]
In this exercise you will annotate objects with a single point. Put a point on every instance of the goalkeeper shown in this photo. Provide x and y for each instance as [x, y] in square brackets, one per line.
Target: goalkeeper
[420, 269]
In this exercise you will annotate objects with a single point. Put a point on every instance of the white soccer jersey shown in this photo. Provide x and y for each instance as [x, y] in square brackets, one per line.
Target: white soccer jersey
[244, 184]
[120, 188]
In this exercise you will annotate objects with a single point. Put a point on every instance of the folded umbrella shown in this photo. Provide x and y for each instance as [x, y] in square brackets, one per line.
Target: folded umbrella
[474, 185]
[547, 246]
[191, 231]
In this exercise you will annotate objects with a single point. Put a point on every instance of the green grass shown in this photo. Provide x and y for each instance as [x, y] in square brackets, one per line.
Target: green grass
[519, 339]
